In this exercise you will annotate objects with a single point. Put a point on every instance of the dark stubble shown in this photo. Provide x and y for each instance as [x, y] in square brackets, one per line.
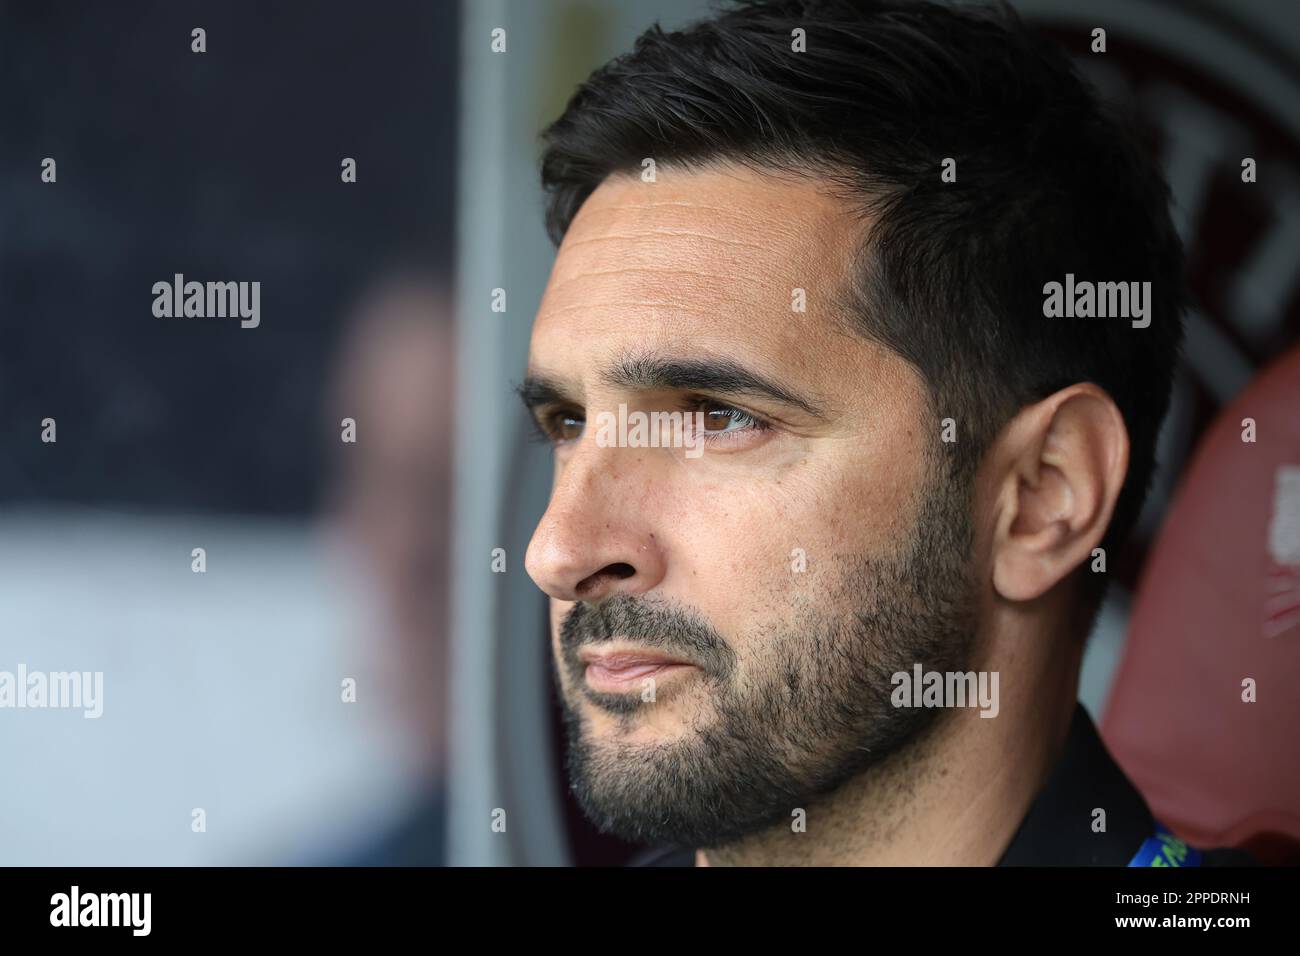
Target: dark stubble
[808, 711]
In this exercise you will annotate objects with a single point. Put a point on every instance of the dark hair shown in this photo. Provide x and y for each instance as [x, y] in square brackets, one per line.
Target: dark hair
[951, 274]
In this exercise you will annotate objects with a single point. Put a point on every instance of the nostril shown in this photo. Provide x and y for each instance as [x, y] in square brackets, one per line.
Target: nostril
[616, 572]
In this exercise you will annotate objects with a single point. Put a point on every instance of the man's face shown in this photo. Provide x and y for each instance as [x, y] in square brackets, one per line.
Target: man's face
[725, 625]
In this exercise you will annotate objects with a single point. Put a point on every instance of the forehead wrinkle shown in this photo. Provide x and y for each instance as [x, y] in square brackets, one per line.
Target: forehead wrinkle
[700, 272]
[643, 270]
[694, 305]
[685, 233]
[778, 226]
[666, 282]
[623, 307]
[788, 211]
[801, 230]
[658, 245]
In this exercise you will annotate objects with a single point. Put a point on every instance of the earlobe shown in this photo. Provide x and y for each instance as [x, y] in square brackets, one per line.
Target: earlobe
[1065, 461]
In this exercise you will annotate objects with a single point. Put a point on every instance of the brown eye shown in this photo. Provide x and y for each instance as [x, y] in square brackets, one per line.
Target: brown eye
[724, 418]
[716, 420]
[566, 427]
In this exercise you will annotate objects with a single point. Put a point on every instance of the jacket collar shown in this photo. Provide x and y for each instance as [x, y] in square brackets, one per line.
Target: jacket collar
[1058, 828]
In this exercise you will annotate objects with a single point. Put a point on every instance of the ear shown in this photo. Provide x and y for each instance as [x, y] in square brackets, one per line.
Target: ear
[1061, 465]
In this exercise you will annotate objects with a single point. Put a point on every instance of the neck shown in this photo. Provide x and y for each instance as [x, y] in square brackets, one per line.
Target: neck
[955, 795]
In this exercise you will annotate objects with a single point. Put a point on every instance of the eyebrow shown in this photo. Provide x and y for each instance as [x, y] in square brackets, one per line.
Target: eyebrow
[655, 372]
[538, 390]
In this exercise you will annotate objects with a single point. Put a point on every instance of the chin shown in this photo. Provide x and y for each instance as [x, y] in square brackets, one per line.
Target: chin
[640, 723]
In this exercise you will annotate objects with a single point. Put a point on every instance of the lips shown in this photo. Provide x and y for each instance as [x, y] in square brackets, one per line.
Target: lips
[623, 670]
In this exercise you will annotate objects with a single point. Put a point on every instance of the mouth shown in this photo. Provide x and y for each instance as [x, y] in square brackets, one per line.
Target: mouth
[620, 671]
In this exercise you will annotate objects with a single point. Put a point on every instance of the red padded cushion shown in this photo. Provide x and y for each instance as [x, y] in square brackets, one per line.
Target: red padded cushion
[1218, 602]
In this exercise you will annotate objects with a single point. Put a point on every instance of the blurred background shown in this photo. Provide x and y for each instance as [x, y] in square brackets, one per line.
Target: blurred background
[346, 681]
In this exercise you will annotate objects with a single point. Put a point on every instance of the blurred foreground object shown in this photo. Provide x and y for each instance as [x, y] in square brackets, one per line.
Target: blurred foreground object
[1219, 606]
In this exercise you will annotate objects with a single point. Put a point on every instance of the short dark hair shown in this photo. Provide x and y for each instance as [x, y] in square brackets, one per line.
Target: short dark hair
[951, 274]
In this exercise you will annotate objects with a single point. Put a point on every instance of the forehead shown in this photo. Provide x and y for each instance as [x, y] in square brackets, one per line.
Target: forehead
[703, 260]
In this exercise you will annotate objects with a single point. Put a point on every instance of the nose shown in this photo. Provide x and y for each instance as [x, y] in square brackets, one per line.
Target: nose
[597, 537]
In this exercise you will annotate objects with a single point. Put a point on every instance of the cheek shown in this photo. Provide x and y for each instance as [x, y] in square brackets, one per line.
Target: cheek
[741, 547]
[745, 547]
